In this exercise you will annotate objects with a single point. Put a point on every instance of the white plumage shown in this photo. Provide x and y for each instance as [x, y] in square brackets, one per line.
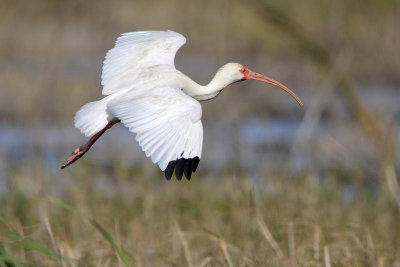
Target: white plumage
[144, 91]
[166, 122]
[134, 53]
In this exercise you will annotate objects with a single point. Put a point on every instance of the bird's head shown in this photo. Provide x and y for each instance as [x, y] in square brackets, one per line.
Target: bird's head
[235, 72]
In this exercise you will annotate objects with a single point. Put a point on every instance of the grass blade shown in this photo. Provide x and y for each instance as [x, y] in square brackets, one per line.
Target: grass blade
[18, 241]
[63, 205]
[268, 236]
[30, 244]
[122, 255]
[185, 245]
[9, 260]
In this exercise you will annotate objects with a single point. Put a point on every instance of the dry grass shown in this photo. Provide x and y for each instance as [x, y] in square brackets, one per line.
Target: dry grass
[228, 220]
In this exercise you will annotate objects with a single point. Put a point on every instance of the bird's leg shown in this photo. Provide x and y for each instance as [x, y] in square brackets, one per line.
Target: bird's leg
[80, 151]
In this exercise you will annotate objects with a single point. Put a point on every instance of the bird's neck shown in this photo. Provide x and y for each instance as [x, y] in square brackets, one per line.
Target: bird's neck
[204, 92]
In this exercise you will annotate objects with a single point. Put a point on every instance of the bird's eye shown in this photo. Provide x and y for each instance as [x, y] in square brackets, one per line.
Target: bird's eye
[243, 70]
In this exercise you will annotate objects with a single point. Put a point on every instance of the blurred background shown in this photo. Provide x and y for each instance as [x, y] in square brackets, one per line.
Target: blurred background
[277, 184]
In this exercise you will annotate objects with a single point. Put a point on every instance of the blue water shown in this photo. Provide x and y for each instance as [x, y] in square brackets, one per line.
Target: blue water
[53, 143]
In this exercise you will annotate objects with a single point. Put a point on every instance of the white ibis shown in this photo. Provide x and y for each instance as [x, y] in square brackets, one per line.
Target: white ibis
[148, 95]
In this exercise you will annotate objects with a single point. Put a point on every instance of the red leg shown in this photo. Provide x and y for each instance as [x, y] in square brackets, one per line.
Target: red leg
[80, 151]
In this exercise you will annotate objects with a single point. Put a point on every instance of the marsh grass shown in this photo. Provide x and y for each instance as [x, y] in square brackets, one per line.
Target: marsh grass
[138, 219]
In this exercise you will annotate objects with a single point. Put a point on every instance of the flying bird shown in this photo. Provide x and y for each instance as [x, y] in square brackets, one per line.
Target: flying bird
[145, 92]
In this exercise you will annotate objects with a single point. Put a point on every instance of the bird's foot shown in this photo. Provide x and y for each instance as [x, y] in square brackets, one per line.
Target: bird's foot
[76, 154]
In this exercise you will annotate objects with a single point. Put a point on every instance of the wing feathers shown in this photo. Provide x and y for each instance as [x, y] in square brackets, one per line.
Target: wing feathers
[166, 132]
[137, 51]
[181, 166]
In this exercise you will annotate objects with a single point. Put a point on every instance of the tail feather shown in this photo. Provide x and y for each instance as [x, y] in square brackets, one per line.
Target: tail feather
[92, 117]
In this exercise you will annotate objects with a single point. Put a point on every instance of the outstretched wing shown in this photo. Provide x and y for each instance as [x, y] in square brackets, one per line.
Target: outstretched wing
[167, 124]
[136, 51]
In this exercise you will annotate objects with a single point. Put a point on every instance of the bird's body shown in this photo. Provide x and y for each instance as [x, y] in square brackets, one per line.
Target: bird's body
[148, 95]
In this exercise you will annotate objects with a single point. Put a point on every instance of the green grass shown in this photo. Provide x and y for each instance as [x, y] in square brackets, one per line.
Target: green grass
[139, 219]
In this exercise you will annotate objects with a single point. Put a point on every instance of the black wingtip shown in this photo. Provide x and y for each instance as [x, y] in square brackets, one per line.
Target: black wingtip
[170, 169]
[181, 166]
[195, 163]
[187, 169]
